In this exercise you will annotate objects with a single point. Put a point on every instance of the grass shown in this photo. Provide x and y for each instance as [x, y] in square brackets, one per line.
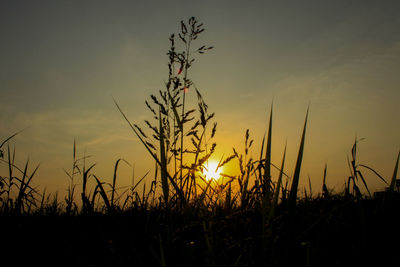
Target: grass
[248, 219]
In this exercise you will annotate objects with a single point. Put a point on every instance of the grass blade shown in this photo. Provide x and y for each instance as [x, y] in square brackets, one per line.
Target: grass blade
[364, 182]
[393, 182]
[267, 172]
[324, 187]
[376, 173]
[135, 131]
[7, 139]
[277, 189]
[260, 166]
[115, 179]
[296, 176]
[103, 193]
[22, 188]
[163, 159]
[309, 186]
[171, 179]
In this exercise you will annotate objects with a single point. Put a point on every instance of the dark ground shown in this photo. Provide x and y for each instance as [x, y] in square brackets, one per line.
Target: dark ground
[321, 232]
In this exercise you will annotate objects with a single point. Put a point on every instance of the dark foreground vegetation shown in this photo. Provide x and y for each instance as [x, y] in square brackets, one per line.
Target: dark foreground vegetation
[334, 231]
[183, 218]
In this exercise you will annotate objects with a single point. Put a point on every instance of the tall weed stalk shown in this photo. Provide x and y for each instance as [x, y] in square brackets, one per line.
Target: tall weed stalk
[177, 139]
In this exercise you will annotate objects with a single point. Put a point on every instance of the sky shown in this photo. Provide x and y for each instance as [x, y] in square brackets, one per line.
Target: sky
[62, 62]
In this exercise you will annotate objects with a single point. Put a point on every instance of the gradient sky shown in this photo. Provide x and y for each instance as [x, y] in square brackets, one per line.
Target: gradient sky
[61, 62]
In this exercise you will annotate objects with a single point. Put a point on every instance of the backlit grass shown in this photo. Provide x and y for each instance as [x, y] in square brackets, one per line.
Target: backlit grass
[194, 212]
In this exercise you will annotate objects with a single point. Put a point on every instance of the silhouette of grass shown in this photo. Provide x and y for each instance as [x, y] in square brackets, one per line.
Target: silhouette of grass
[247, 219]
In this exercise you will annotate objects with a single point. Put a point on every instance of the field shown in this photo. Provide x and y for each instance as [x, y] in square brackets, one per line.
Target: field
[193, 215]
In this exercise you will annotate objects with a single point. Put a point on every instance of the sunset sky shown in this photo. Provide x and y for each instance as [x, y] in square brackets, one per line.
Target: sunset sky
[62, 62]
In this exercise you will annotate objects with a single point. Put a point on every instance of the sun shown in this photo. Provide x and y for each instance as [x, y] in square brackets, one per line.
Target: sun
[211, 172]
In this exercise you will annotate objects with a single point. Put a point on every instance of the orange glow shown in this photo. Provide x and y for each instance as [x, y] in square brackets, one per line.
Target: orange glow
[211, 172]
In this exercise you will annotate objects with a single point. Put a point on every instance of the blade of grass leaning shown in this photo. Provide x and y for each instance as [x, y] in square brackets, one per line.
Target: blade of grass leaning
[115, 179]
[163, 159]
[10, 161]
[305, 193]
[21, 188]
[393, 182]
[260, 167]
[204, 193]
[140, 180]
[364, 182]
[85, 176]
[7, 139]
[267, 172]
[296, 176]
[277, 189]
[177, 118]
[135, 131]
[376, 173]
[41, 207]
[171, 179]
[103, 193]
[26, 185]
[324, 187]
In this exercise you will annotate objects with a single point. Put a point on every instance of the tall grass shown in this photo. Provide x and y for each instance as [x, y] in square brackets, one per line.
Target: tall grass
[247, 218]
[16, 193]
[179, 138]
[296, 176]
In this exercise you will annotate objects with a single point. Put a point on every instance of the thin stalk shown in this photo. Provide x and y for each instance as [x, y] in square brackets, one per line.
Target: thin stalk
[186, 65]
[163, 161]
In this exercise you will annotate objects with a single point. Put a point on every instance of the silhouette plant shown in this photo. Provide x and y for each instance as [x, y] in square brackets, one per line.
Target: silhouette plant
[356, 174]
[179, 139]
[16, 193]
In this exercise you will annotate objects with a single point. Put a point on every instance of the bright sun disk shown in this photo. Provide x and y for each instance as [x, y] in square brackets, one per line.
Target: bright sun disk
[210, 171]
